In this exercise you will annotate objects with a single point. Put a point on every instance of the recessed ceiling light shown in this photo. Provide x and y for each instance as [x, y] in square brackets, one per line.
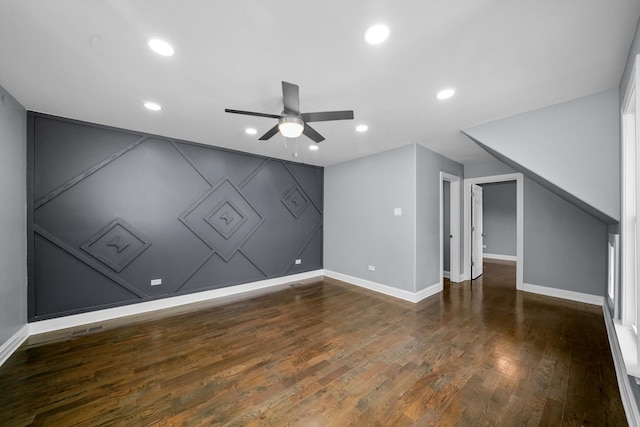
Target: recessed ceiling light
[313, 147]
[161, 47]
[152, 106]
[446, 93]
[376, 34]
[362, 128]
[250, 131]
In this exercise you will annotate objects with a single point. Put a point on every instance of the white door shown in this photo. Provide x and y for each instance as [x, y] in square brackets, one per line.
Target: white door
[476, 231]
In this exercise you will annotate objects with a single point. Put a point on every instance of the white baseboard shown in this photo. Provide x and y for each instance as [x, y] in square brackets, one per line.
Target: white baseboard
[429, 291]
[500, 257]
[459, 279]
[384, 289]
[12, 344]
[626, 393]
[446, 274]
[97, 316]
[564, 294]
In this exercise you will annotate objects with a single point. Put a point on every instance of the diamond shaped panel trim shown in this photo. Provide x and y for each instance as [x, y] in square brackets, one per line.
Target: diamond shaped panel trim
[223, 219]
[295, 201]
[116, 245]
[226, 218]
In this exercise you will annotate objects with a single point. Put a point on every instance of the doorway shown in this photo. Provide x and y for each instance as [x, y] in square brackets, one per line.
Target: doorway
[468, 183]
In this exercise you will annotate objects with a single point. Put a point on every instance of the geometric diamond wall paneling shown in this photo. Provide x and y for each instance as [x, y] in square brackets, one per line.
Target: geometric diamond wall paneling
[112, 209]
[291, 215]
[116, 245]
[222, 218]
[295, 201]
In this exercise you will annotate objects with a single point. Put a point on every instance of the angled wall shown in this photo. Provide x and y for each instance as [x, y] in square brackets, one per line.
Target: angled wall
[13, 213]
[570, 148]
[564, 246]
[114, 210]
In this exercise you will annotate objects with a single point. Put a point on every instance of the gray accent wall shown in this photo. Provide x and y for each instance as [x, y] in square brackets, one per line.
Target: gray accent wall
[114, 210]
[13, 209]
[360, 226]
[499, 218]
[546, 144]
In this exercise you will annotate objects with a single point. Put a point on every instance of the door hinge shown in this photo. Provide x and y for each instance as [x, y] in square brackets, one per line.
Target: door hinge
[472, 263]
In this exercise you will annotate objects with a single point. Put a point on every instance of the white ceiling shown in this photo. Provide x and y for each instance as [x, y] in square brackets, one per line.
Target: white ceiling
[89, 60]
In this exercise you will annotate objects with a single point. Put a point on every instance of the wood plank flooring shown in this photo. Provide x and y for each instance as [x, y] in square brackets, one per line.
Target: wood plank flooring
[330, 354]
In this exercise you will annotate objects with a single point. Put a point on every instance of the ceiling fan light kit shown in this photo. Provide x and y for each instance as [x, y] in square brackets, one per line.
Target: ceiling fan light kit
[292, 123]
[290, 127]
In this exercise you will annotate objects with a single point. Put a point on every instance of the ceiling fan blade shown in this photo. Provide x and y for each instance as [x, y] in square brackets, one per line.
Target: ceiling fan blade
[251, 113]
[327, 115]
[312, 133]
[269, 133]
[291, 98]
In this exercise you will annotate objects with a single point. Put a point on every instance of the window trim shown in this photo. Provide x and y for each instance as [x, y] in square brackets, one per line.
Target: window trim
[628, 299]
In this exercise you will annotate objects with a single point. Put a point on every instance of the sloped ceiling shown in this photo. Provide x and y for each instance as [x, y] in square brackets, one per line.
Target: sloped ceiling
[571, 148]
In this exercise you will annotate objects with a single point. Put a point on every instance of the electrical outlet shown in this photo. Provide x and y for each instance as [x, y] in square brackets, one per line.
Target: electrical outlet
[156, 282]
[397, 211]
[298, 261]
[372, 268]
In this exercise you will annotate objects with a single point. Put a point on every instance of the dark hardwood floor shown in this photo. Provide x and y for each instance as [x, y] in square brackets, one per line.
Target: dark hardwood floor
[326, 353]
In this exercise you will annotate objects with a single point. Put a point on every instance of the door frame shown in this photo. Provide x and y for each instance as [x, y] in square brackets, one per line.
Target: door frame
[454, 227]
[475, 189]
[519, 179]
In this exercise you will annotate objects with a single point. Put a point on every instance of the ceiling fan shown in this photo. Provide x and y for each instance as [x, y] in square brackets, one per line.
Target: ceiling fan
[292, 123]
